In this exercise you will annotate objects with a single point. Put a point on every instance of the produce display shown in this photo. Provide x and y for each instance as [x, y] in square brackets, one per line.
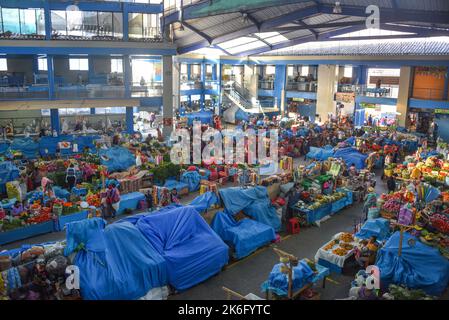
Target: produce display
[346, 237]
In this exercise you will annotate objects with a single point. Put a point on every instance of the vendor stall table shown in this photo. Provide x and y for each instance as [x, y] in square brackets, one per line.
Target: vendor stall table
[26, 232]
[332, 261]
[130, 201]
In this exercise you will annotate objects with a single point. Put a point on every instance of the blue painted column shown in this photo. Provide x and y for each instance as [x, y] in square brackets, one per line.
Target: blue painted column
[54, 119]
[279, 85]
[219, 76]
[214, 72]
[125, 23]
[91, 71]
[446, 85]
[47, 16]
[203, 86]
[129, 120]
[35, 64]
[127, 75]
[51, 77]
[92, 110]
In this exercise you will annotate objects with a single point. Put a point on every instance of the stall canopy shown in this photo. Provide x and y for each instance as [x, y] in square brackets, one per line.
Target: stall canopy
[418, 267]
[192, 250]
[350, 156]
[380, 228]
[206, 117]
[117, 158]
[254, 202]
[116, 262]
[245, 236]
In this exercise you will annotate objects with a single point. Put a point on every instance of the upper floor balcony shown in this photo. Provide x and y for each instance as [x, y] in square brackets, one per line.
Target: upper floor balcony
[302, 86]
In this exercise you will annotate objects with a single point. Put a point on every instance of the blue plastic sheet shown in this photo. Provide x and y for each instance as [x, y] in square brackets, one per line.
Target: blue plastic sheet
[418, 267]
[320, 154]
[47, 145]
[4, 146]
[192, 250]
[118, 158]
[241, 115]
[206, 117]
[8, 172]
[253, 201]
[245, 236]
[27, 146]
[205, 201]
[116, 263]
[380, 228]
[350, 156]
[173, 184]
[192, 179]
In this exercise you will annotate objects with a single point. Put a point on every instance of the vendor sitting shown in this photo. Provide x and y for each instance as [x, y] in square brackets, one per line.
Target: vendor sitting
[174, 198]
[328, 186]
[352, 170]
[366, 254]
[17, 209]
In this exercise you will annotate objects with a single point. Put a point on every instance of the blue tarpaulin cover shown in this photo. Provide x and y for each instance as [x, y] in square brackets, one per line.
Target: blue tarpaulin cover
[192, 178]
[241, 115]
[350, 156]
[8, 172]
[253, 201]
[320, 154]
[205, 117]
[192, 250]
[118, 158]
[173, 184]
[418, 267]
[380, 228]
[116, 263]
[205, 201]
[245, 236]
[27, 146]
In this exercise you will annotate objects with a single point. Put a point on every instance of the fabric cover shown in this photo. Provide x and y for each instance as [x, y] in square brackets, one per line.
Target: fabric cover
[380, 228]
[27, 146]
[119, 158]
[192, 250]
[192, 179]
[206, 117]
[245, 236]
[205, 201]
[350, 156]
[116, 263]
[418, 267]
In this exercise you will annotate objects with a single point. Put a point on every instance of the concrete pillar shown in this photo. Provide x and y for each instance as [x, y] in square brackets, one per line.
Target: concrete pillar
[446, 85]
[54, 119]
[167, 96]
[327, 86]
[405, 88]
[176, 86]
[250, 80]
[280, 79]
[219, 78]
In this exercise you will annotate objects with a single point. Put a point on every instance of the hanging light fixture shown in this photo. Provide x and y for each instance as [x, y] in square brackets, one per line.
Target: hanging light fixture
[337, 8]
[245, 17]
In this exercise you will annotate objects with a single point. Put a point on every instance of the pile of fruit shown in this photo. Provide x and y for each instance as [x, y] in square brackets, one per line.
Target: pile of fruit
[346, 237]
[440, 222]
[340, 252]
[392, 206]
[93, 199]
[346, 246]
[330, 245]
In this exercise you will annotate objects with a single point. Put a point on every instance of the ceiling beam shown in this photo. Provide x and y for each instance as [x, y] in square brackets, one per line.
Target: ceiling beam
[263, 40]
[302, 23]
[265, 26]
[225, 51]
[252, 19]
[321, 26]
[197, 31]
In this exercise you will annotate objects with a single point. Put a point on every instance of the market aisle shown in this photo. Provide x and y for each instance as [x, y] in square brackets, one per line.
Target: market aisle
[247, 275]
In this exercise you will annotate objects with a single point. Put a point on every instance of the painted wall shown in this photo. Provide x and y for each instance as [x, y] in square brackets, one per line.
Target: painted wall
[22, 65]
[428, 83]
[327, 80]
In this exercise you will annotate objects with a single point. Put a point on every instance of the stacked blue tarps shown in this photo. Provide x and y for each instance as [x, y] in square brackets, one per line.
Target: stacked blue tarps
[351, 155]
[192, 179]
[47, 145]
[387, 141]
[87, 141]
[302, 275]
[192, 250]
[116, 262]
[241, 115]
[379, 228]
[205, 201]
[206, 117]
[174, 184]
[4, 146]
[418, 267]
[8, 172]
[245, 236]
[350, 140]
[254, 202]
[320, 154]
[27, 146]
[117, 158]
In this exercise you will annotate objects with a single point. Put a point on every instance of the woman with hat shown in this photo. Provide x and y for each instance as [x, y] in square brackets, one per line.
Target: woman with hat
[370, 201]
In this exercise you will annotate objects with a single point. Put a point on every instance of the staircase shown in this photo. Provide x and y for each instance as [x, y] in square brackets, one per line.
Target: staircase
[236, 94]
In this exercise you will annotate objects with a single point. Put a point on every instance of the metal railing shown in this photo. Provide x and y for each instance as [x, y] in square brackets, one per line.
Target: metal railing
[89, 91]
[27, 92]
[266, 85]
[242, 90]
[364, 90]
[191, 85]
[346, 88]
[310, 86]
[151, 89]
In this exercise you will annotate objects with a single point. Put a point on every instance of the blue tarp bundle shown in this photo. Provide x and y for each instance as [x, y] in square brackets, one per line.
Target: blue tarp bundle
[27, 146]
[380, 228]
[192, 250]
[254, 202]
[192, 178]
[278, 281]
[206, 117]
[8, 172]
[350, 156]
[241, 115]
[173, 184]
[118, 158]
[245, 236]
[320, 154]
[350, 140]
[116, 263]
[418, 267]
[4, 146]
[205, 201]
[47, 145]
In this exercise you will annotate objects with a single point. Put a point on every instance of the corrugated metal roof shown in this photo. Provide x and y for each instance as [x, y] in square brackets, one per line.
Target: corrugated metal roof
[393, 47]
[273, 12]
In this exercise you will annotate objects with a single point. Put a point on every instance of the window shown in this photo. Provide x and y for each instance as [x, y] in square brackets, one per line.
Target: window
[79, 64]
[304, 71]
[42, 64]
[117, 65]
[270, 70]
[348, 72]
[11, 20]
[290, 71]
[3, 64]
